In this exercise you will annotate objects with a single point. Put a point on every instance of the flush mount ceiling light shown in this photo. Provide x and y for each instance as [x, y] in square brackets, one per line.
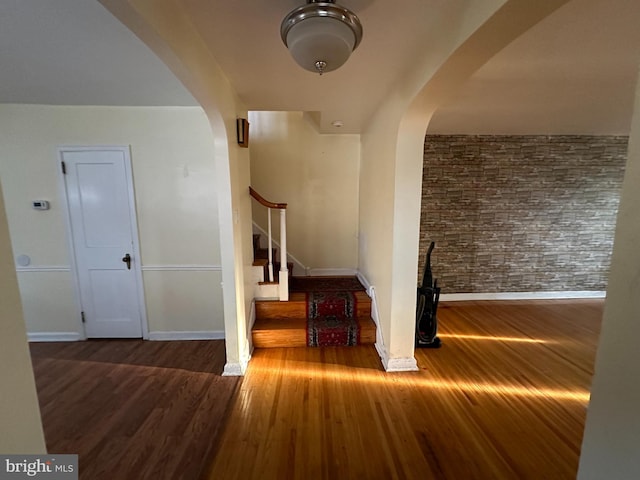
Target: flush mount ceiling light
[321, 35]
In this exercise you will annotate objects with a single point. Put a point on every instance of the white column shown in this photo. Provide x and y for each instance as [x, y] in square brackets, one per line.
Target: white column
[284, 271]
[610, 442]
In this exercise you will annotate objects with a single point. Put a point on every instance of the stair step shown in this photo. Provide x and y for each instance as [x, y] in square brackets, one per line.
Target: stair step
[292, 332]
[264, 253]
[296, 307]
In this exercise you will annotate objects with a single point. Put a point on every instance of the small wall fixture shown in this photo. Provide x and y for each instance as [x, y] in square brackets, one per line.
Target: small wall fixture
[321, 35]
[40, 204]
[242, 130]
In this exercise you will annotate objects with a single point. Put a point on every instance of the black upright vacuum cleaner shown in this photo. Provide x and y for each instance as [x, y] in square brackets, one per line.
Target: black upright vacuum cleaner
[428, 296]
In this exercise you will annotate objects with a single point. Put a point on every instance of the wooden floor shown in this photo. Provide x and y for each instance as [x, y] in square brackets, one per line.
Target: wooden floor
[504, 398]
[132, 409]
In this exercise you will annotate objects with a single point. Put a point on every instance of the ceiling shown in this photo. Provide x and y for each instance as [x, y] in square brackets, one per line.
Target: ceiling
[74, 52]
[572, 73]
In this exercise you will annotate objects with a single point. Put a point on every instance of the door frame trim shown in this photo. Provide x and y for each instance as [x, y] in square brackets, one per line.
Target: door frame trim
[137, 266]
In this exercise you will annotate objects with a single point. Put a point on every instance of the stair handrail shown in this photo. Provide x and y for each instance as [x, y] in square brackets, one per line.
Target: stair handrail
[262, 201]
[283, 284]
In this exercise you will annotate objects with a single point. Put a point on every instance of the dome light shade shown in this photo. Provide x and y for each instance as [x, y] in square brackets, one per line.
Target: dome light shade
[321, 35]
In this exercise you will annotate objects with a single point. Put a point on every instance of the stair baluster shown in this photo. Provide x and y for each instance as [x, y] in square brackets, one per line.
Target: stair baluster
[283, 280]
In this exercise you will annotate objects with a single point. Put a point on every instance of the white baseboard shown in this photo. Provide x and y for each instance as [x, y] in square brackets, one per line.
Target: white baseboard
[363, 280]
[382, 352]
[456, 297]
[375, 316]
[187, 335]
[251, 322]
[54, 336]
[405, 364]
[162, 336]
[233, 370]
[236, 369]
[182, 268]
[331, 272]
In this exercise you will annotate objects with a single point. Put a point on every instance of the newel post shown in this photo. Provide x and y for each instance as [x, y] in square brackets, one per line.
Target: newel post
[284, 271]
[270, 246]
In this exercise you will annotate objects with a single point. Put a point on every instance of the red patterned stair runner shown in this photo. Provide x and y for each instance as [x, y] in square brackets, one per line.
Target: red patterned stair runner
[331, 319]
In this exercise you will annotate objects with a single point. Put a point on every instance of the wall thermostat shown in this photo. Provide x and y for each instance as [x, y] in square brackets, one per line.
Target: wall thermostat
[40, 205]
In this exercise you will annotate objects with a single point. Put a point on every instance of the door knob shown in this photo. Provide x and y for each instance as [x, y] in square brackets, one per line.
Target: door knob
[127, 259]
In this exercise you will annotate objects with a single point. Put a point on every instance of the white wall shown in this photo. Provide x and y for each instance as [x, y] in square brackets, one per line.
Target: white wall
[21, 428]
[317, 176]
[174, 181]
[612, 433]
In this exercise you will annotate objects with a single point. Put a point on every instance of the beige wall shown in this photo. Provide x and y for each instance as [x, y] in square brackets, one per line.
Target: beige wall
[21, 427]
[317, 176]
[169, 31]
[390, 187]
[376, 218]
[612, 433]
[392, 150]
[388, 258]
[174, 181]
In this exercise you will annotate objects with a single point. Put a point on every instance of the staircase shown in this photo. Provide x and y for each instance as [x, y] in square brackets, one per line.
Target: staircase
[281, 316]
[284, 324]
[264, 277]
[261, 259]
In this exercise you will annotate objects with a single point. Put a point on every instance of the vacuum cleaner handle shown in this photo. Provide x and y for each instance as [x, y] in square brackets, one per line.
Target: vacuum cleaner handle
[427, 278]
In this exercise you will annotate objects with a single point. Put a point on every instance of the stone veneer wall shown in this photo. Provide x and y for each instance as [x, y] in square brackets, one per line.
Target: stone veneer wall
[520, 213]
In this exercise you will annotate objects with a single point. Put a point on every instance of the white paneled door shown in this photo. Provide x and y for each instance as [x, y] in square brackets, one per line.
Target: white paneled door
[99, 192]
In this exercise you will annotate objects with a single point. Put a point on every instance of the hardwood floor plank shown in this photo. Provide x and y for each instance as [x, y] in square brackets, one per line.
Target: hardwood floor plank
[133, 409]
[505, 398]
